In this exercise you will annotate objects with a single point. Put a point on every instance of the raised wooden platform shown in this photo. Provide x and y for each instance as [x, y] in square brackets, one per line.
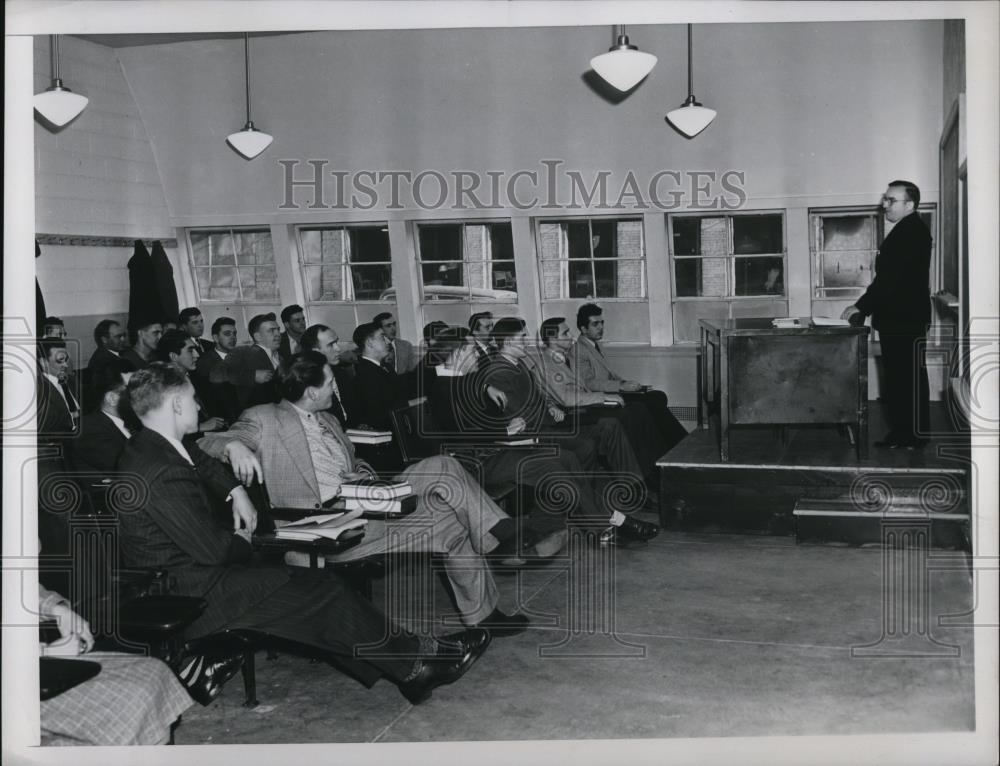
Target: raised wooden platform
[769, 472]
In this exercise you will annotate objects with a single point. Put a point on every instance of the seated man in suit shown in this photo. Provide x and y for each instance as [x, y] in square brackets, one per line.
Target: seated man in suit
[58, 409]
[258, 361]
[147, 334]
[109, 336]
[563, 387]
[480, 327]
[325, 340]
[305, 457]
[401, 357]
[103, 432]
[192, 322]
[378, 391]
[294, 320]
[222, 379]
[501, 402]
[178, 530]
[177, 347]
[593, 372]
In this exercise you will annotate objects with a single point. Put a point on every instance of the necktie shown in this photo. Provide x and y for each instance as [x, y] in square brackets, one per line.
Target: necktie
[71, 405]
[337, 403]
[598, 347]
[390, 360]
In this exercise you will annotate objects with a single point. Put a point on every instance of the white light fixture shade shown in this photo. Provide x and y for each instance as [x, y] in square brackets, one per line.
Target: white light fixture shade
[59, 105]
[250, 142]
[691, 119]
[623, 68]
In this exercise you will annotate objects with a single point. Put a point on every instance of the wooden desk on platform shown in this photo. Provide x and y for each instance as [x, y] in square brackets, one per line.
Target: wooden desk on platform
[758, 374]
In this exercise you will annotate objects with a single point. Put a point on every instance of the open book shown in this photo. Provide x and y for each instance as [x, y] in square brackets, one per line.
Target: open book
[329, 526]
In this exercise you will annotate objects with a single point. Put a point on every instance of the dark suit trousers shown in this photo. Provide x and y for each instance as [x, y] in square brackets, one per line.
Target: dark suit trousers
[326, 613]
[562, 485]
[906, 391]
[655, 402]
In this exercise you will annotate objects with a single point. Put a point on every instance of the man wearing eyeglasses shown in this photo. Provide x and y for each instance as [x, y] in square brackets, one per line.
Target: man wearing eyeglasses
[899, 303]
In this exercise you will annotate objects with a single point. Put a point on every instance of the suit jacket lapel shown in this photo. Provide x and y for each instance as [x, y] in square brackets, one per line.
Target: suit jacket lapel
[293, 436]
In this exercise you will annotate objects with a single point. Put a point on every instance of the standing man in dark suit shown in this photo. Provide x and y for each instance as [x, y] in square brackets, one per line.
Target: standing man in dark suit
[109, 336]
[147, 337]
[176, 529]
[899, 303]
[324, 339]
[192, 322]
[261, 360]
[294, 320]
[378, 391]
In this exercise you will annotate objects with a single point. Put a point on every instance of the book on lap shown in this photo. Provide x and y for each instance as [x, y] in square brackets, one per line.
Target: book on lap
[330, 526]
[374, 489]
[361, 436]
[399, 505]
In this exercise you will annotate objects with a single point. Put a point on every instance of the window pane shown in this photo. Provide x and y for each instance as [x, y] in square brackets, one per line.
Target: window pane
[846, 269]
[370, 245]
[323, 282]
[629, 282]
[503, 276]
[440, 243]
[759, 276]
[551, 238]
[200, 248]
[370, 281]
[697, 277]
[222, 284]
[757, 234]
[581, 281]
[552, 279]
[629, 240]
[606, 272]
[578, 239]
[221, 249]
[687, 236]
[501, 242]
[604, 239]
[855, 232]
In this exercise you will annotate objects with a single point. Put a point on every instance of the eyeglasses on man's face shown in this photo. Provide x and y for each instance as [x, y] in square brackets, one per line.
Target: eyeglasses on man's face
[892, 200]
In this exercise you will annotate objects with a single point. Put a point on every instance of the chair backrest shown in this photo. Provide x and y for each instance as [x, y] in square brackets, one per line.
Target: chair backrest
[410, 428]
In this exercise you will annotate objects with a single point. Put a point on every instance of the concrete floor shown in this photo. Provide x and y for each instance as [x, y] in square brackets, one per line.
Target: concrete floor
[714, 636]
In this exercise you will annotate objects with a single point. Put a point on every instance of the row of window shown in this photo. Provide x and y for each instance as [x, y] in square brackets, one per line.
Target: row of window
[715, 258]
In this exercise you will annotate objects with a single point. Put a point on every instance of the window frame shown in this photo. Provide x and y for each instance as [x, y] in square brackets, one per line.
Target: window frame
[486, 263]
[730, 257]
[231, 230]
[347, 275]
[564, 269]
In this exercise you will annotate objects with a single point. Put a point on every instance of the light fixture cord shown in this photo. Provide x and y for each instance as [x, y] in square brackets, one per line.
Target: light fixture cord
[246, 62]
[690, 65]
[54, 55]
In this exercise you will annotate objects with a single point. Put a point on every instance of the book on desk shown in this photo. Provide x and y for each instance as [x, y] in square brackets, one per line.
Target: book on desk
[329, 526]
[375, 489]
[364, 436]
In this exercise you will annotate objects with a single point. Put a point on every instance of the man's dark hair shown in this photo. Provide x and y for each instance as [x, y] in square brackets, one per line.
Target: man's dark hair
[506, 328]
[147, 387]
[138, 325]
[172, 341]
[187, 314]
[380, 318]
[47, 345]
[585, 312]
[474, 319]
[912, 192]
[448, 338]
[288, 311]
[257, 321]
[303, 370]
[53, 322]
[220, 322]
[103, 330]
[362, 333]
[550, 329]
[105, 378]
[310, 338]
[433, 329]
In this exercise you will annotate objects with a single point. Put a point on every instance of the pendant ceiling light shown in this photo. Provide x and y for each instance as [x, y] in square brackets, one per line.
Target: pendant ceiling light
[624, 65]
[691, 117]
[249, 142]
[57, 103]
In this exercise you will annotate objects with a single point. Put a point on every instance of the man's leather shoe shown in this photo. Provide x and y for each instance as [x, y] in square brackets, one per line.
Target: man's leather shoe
[443, 669]
[204, 676]
[501, 625]
[631, 529]
[473, 639]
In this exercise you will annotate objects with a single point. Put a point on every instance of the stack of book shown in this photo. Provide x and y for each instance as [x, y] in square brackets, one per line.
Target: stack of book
[329, 526]
[375, 496]
[362, 436]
